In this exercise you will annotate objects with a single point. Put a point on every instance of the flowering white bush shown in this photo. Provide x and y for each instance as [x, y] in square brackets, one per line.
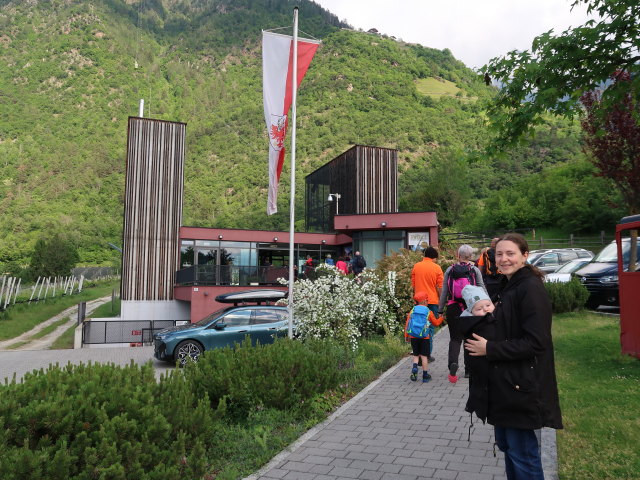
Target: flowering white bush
[341, 307]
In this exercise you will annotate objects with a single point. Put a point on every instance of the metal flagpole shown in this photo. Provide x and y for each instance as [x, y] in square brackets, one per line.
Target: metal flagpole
[294, 93]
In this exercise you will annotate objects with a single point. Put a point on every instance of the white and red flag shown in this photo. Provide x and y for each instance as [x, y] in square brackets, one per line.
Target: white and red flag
[277, 82]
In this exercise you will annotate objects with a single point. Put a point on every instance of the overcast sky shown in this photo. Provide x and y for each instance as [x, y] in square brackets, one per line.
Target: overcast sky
[474, 30]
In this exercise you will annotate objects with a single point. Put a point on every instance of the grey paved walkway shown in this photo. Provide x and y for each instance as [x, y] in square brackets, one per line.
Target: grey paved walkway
[401, 430]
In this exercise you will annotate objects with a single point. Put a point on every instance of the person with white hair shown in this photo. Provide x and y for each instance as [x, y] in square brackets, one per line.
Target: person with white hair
[456, 277]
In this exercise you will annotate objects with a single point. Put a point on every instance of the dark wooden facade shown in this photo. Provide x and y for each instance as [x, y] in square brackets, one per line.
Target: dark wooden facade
[153, 208]
[366, 179]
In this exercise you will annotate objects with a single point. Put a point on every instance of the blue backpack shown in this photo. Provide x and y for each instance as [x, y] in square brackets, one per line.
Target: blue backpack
[418, 326]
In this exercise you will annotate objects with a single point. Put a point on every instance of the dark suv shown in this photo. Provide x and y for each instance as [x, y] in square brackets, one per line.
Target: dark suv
[600, 276]
[550, 259]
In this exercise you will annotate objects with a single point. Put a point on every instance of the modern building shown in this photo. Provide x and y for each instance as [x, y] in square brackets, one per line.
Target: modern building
[174, 272]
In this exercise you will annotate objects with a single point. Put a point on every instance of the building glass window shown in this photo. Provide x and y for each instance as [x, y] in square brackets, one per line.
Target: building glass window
[206, 243]
[207, 256]
[186, 255]
[374, 244]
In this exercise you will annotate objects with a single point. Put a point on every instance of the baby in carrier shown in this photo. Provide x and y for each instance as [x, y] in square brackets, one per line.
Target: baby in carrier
[477, 318]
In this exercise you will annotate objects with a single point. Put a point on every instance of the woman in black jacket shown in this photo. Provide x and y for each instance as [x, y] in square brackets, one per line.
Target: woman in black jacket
[522, 391]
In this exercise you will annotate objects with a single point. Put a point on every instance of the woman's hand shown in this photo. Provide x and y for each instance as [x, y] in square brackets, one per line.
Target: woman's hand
[476, 347]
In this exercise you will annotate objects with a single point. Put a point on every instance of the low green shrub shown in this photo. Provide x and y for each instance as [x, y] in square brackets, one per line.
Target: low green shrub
[567, 297]
[279, 375]
[107, 422]
[103, 421]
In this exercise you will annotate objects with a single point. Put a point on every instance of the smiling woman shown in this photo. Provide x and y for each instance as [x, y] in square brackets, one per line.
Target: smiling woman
[522, 394]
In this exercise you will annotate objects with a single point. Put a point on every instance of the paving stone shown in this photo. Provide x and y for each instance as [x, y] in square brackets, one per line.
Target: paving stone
[445, 474]
[322, 469]
[341, 462]
[371, 475]
[318, 460]
[419, 472]
[297, 466]
[361, 456]
[397, 476]
[346, 472]
[365, 465]
[293, 475]
[390, 468]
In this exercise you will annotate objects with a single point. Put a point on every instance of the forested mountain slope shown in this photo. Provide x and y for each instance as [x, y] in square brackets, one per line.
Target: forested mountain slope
[72, 72]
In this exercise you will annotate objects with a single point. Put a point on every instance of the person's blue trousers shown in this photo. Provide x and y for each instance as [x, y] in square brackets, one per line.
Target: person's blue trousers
[521, 453]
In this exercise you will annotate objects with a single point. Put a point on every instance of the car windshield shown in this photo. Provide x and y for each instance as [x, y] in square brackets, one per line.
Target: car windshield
[534, 256]
[571, 266]
[609, 254]
[210, 317]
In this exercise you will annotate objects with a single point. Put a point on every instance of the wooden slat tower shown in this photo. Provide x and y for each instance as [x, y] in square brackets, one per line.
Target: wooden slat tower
[366, 179]
[152, 208]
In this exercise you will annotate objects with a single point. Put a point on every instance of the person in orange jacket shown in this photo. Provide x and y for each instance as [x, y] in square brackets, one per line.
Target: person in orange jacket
[417, 330]
[427, 276]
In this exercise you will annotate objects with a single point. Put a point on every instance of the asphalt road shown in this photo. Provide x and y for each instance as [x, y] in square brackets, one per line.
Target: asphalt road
[20, 362]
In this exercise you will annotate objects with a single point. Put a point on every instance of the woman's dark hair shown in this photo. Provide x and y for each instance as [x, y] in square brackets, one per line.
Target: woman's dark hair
[430, 252]
[523, 246]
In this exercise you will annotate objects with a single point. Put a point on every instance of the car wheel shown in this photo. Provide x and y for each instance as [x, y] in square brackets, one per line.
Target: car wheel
[592, 304]
[188, 350]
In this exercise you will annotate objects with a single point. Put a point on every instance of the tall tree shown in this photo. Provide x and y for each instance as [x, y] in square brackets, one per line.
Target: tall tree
[558, 70]
[612, 137]
[53, 256]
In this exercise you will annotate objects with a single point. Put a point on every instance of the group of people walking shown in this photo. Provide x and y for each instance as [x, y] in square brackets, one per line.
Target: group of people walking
[499, 313]
[345, 264]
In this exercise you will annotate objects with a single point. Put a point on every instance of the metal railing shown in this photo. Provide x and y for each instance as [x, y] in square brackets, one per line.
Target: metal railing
[95, 332]
[536, 242]
[230, 275]
[573, 241]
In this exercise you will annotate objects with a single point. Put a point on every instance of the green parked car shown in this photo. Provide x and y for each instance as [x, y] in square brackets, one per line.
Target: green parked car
[261, 321]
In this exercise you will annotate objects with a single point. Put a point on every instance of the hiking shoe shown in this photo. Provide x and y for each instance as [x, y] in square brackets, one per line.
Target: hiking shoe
[431, 359]
[414, 374]
[453, 368]
[425, 377]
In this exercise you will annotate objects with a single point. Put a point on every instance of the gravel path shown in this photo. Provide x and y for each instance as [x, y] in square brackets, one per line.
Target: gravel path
[45, 342]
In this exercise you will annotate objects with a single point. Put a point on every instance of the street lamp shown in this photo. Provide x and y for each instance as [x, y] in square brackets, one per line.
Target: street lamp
[337, 197]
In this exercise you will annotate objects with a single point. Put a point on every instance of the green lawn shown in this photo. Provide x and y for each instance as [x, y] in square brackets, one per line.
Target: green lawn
[600, 399]
[64, 341]
[107, 310]
[436, 87]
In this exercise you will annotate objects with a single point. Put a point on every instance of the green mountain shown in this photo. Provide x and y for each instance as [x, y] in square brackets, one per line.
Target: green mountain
[71, 72]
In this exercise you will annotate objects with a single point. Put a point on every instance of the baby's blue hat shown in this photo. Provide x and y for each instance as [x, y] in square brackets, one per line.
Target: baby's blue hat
[472, 294]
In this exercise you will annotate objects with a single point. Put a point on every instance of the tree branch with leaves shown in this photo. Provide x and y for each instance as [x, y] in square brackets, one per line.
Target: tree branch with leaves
[554, 74]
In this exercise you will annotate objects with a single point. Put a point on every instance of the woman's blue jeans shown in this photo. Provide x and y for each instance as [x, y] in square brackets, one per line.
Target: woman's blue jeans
[521, 453]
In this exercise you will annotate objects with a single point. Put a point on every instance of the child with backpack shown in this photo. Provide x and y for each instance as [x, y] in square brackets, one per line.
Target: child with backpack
[418, 330]
[456, 277]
